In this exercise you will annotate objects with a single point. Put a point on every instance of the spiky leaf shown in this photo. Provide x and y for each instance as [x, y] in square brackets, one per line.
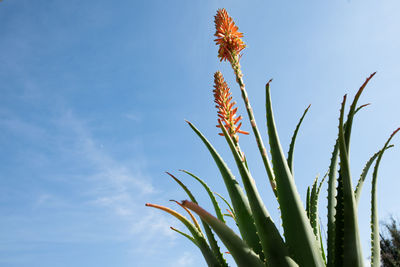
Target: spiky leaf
[239, 200]
[210, 236]
[357, 191]
[299, 236]
[351, 245]
[272, 243]
[227, 203]
[198, 237]
[375, 244]
[291, 147]
[184, 234]
[210, 194]
[243, 255]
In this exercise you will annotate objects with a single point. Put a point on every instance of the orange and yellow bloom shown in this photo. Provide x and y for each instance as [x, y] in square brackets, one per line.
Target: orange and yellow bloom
[225, 106]
[228, 37]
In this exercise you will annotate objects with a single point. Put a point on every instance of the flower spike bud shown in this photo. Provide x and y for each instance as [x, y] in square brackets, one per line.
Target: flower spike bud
[225, 105]
[228, 37]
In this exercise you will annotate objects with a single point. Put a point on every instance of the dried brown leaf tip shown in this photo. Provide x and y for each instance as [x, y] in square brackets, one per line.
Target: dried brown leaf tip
[228, 37]
[225, 106]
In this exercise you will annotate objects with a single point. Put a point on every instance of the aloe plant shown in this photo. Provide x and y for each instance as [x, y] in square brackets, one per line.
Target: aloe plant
[258, 241]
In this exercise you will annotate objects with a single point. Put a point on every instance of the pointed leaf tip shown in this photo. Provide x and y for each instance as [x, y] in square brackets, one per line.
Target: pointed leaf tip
[395, 131]
[170, 174]
[190, 214]
[292, 143]
[362, 106]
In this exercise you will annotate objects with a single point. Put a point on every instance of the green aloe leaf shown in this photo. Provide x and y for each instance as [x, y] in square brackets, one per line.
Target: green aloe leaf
[243, 255]
[352, 112]
[314, 197]
[274, 249]
[375, 244]
[239, 200]
[352, 247]
[361, 107]
[357, 191]
[331, 224]
[322, 246]
[229, 215]
[291, 147]
[299, 235]
[314, 219]
[227, 203]
[333, 205]
[314, 208]
[190, 215]
[198, 237]
[339, 224]
[210, 236]
[210, 194]
[184, 187]
[184, 234]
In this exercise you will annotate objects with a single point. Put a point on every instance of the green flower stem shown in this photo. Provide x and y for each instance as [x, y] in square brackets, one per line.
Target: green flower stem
[239, 79]
[239, 150]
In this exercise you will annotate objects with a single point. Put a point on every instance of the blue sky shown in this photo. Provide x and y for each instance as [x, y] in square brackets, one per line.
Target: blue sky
[93, 100]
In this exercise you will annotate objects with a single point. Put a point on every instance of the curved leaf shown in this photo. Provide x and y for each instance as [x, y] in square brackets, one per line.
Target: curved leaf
[334, 205]
[190, 214]
[239, 200]
[272, 243]
[357, 191]
[314, 213]
[375, 245]
[227, 203]
[242, 254]
[314, 208]
[198, 237]
[299, 235]
[351, 245]
[210, 236]
[349, 122]
[184, 234]
[291, 147]
[210, 194]
[331, 205]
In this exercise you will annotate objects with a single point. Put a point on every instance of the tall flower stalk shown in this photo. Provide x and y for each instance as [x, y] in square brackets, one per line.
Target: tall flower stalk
[230, 45]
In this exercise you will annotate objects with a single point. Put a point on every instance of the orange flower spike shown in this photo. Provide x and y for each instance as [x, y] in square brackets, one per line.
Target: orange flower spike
[225, 106]
[228, 37]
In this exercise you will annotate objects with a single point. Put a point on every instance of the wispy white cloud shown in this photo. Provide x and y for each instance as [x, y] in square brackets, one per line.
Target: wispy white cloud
[121, 177]
[120, 188]
[109, 187]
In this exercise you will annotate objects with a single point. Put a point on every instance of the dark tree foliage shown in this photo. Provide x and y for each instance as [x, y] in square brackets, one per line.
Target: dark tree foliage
[390, 244]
